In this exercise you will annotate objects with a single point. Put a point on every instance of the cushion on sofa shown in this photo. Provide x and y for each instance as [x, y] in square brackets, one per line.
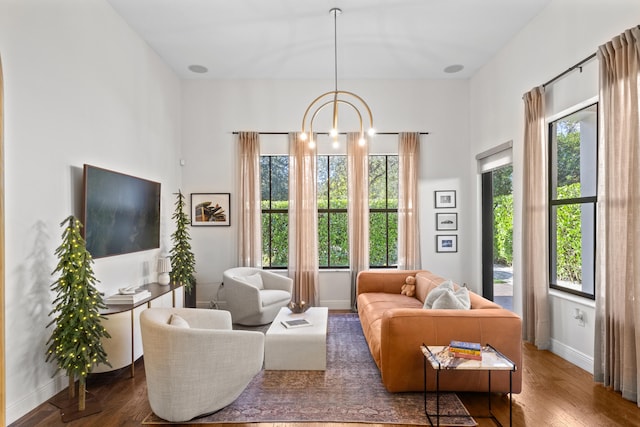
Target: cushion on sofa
[445, 296]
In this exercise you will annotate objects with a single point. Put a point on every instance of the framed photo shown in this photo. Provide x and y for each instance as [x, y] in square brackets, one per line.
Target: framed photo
[446, 243]
[445, 199]
[210, 209]
[446, 221]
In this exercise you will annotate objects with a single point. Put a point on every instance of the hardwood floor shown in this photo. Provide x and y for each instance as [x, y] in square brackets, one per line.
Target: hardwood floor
[555, 393]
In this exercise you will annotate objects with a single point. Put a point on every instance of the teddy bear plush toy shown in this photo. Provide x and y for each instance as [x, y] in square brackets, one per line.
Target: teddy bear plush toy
[409, 287]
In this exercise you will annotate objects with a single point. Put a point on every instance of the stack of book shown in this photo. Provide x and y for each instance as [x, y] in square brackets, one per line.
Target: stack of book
[466, 350]
[121, 299]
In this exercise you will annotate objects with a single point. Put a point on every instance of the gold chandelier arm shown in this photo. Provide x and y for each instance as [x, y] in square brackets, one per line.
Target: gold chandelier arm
[342, 101]
[364, 104]
[337, 100]
[306, 113]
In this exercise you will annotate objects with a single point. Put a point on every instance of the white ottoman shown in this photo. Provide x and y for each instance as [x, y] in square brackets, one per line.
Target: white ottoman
[297, 349]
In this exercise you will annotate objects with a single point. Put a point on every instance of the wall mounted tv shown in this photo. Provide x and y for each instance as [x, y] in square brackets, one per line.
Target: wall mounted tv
[121, 213]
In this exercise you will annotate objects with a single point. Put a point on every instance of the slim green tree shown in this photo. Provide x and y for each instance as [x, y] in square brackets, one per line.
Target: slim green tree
[182, 259]
[75, 343]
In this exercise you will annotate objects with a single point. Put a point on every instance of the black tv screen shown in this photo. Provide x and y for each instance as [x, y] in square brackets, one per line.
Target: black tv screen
[121, 213]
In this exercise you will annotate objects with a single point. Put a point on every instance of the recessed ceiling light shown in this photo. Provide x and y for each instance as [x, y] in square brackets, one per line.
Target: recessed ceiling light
[198, 68]
[453, 68]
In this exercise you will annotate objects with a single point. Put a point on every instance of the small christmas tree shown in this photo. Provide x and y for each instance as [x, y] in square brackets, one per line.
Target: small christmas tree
[182, 259]
[75, 343]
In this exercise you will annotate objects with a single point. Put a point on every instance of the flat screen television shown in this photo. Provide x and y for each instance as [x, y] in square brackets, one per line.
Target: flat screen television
[121, 213]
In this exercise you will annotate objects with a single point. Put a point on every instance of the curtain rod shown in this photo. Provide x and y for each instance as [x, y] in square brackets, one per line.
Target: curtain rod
[327, 133]
[570, 69]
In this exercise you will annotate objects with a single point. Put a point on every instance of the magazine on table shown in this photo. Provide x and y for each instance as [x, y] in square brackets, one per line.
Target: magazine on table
[295, 323]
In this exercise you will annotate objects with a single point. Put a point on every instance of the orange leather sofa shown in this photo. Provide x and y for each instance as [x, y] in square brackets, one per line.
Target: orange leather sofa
[395, 326]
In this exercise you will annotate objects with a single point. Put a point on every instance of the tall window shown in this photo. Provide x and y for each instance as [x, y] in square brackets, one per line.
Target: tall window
[274, 190]
[572, 201]
[383, 210]
[333, 238]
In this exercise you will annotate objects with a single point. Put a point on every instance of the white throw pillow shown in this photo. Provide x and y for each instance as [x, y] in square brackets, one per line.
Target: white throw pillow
[178, 321]
[255, 280]
[446, 297]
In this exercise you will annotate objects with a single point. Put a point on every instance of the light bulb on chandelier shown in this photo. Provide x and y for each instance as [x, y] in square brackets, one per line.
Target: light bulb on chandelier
[334, 98]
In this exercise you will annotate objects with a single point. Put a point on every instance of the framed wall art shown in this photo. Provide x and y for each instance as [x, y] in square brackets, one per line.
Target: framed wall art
[446, 221]
[446, 243]
[445, 199]
[210, 209]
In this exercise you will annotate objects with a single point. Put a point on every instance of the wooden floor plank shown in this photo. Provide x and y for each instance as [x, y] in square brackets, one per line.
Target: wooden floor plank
[554, 393]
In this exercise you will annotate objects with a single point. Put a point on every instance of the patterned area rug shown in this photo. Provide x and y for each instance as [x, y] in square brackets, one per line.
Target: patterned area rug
[349, 391]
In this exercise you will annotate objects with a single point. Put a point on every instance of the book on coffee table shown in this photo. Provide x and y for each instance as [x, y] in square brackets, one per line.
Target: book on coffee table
[295, 323]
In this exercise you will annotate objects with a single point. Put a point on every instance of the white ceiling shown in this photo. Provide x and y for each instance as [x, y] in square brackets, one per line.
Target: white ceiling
[293, 39]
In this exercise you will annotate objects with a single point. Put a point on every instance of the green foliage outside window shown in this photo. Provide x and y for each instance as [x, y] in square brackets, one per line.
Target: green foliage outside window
[569, 236]
[502, 183]
[275, 235]
[503, 229]
[568, 153]
[378, 239]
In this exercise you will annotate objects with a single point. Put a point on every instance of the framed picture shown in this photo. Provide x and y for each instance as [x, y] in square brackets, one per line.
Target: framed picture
[210, 209]
[445, 199]
[446, 243]
[446, 221]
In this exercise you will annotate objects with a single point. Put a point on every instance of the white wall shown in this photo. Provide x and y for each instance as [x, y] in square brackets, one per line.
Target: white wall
[563, 34]
[212, 110]
[80, 87]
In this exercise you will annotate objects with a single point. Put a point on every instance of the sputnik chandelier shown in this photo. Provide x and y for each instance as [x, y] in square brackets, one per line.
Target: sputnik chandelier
[334, 98]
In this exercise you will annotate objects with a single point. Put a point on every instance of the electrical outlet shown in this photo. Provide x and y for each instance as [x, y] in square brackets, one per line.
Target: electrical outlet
[579, 316]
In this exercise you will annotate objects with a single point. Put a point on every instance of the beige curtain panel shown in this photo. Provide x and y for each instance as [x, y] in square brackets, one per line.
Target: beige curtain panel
[303, 221]
[358, 209]
[617, 345]
[249, 212]
[408, 212]
[535, 283]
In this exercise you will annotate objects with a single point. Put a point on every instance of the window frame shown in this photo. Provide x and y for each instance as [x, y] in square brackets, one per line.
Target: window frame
[387, 211]
[558, 202]
[270, 211]
[328, 211]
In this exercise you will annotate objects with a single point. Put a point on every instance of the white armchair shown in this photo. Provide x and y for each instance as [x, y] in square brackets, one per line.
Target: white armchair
[254, 296]
[194, 363]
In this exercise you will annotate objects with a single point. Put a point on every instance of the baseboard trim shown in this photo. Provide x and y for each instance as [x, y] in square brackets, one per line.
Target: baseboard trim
[18, 409]
[572, 355]
[335, 304]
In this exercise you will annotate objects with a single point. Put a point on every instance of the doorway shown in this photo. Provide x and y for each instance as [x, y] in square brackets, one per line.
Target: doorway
[497, 236]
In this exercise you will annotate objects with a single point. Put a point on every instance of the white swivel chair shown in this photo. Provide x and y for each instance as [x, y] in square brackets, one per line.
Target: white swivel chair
[255, 296]
[194, 362]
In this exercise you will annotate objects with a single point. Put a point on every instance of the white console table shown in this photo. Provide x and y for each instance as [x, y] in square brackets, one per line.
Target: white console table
[123, 324]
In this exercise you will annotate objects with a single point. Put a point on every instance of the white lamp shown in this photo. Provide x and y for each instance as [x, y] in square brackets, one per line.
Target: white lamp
[164, 268]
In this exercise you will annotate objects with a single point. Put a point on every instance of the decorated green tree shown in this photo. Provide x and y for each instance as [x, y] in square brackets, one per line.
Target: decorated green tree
[75, 343]
[182, 259]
